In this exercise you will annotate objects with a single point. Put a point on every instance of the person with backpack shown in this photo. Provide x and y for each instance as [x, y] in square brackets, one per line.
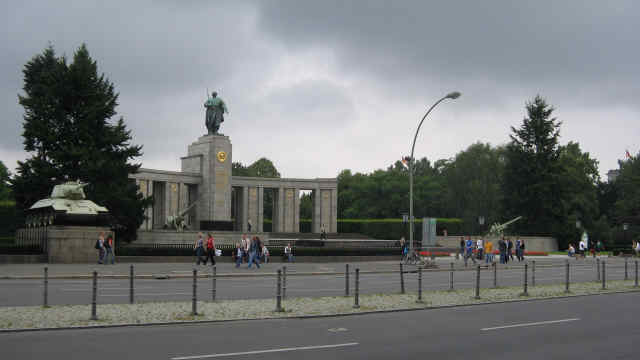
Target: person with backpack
[100, 247]
[198, 247]
[211, 250]
[254, 248]
[108, 246]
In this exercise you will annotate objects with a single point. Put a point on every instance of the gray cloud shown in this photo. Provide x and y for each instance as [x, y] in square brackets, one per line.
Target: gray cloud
[318, 86]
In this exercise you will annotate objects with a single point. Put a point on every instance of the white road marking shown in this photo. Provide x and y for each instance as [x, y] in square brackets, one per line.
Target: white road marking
[318, 347]
[337, 329]
[529, 324]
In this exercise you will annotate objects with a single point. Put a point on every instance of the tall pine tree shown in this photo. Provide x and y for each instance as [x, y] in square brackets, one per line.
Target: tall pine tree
[69, 133]
[532, 168]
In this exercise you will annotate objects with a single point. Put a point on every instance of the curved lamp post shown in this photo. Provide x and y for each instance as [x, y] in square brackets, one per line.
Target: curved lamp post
[451, 95]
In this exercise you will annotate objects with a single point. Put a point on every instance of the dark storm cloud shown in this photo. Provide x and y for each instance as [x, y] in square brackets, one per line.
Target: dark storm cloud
[567, 45]
[318, 86]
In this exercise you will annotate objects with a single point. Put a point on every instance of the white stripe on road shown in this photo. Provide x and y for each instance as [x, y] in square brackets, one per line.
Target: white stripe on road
[264, 351]
[529, 324]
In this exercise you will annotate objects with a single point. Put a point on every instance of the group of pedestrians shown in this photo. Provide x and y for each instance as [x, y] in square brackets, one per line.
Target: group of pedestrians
[105, 249]
[205, 249]
[253, 251]
[479, 249]
[583, 249]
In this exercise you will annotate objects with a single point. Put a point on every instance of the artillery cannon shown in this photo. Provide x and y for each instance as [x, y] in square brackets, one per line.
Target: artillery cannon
[497, 230]
[178, 222]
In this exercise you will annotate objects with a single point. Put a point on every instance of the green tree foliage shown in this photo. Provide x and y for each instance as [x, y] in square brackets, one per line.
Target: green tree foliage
[627, 206]
[67, 130]
[5, 190]
[473, 184]
[532, 171]
[578, 196]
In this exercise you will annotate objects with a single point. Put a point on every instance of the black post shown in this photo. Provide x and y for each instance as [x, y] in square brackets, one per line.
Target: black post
[495, 275]
[131, 284]
[284, 282]
[278, 294]
[346, 280]
[356, 303]
[566, 280]
[598, 269]
[636, 282]
[626, 269]
[94, 298]
[213, 282]
[478, 282]
[451, 279]
[401, 279]
[604, 275]
[46, 287]
[533, 273]
[419, 284]
[194, 299]
[525, 293]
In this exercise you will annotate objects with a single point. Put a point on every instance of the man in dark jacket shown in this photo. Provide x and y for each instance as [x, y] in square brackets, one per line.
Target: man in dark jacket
[502, 246]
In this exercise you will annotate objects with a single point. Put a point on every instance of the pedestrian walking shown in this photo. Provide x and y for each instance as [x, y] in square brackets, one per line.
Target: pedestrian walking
[488, 249]
[582, 246]
[238, 253]
[211, 250]
[323, 233]
[254, 249]
[502, 246]
[100, 247]
[637, 248]
[460, 253]
[108, 247]
[265, 254]
[245, 248]
[480, 248]
[522, 250]
[469, 245]
[198, 248]
[288, 252]
[509, 250]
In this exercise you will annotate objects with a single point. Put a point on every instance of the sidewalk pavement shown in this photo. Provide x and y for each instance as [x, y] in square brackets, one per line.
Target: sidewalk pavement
[226, 269]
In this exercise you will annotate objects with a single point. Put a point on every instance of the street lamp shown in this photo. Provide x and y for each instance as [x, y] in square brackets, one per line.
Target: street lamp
[451, 95]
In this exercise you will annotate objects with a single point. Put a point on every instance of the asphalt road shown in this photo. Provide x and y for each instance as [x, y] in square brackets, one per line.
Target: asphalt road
[585, 328]
[78, 291]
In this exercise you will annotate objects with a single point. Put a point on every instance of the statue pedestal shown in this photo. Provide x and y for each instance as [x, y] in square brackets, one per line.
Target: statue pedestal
[210, 156]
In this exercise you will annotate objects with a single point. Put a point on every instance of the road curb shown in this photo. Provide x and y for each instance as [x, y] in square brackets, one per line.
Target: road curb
[302, 317]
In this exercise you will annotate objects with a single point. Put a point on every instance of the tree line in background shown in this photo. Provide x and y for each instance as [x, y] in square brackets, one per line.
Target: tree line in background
[69, 136]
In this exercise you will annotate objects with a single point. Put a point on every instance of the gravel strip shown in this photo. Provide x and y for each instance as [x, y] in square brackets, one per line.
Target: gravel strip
[36, 317]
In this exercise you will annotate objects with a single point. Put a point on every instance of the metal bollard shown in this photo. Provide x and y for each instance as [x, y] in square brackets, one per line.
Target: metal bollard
[284, 282]
[626, 269]
[566, 280]
[401, 279]
[604, 275]
[194, 298]
[278, 294]
[356, 299]
[495, 275]
[598, 269]
[451, 279]
[477, 282]
[533, 273]
[46, 287]
[525, 292]
[214, 275]
[346, 280]
[131, 284]
[636, 281]
[94, 298]
[419, 284]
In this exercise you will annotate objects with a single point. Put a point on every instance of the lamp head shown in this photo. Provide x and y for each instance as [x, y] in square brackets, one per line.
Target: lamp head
[453, 95]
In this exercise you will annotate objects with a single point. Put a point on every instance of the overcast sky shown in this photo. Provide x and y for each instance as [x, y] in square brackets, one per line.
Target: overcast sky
[321, 86]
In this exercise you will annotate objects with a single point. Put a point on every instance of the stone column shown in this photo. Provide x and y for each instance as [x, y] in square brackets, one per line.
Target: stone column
[279, 211]
[296, 211]
[245, 208]
[183, 200]
[334, 211]
[149, 211]
[317, 217]
[253, 208]
[260, 224]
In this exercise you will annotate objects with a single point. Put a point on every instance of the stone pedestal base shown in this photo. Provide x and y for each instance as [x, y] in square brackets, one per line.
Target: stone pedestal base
[73, 244]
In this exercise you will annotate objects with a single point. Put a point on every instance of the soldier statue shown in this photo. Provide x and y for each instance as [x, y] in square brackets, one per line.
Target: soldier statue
[215, 113]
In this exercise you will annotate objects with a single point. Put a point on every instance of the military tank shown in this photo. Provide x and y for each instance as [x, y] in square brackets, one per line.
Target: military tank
[67, 205]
